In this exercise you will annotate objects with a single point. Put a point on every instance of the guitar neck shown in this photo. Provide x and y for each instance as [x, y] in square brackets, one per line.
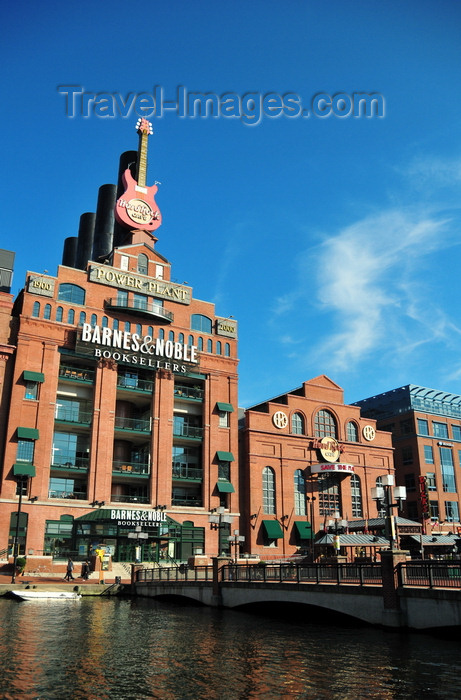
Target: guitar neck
[142, 160]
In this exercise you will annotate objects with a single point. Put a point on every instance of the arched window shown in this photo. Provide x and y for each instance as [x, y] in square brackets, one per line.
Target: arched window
[219, 348]
[190, 340]
[115, 324]
[200, 343]
[127, 326]
[268, 491]
[71, 316]
[325, 424]
[47, 311]
[161, 333]
[82, 318]
[171, 336]
[59, 313]
[300, 493]
[139, 329]
[94, 320]
[105, 321]
[297, 424]
[143, 262]
[209, 345]
[150, 331]
[201, 323]
[181, 338]
[36, 309]
[352, 432]
[71, 293]
[356, 494]
[227, 350]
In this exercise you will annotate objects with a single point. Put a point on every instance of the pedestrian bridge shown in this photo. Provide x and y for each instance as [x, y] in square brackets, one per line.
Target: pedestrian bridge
[420, 595]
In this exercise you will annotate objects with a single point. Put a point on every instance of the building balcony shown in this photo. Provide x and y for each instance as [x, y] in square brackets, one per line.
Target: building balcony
[131, 468]
[187, 500]
[70, 462]
[129, 499]
[65, 415]
[138, 425]
[184, 472]
[140, 308]
[190, 393]
[81, 495]
[76, 374]
[184, 430]
[134, 383]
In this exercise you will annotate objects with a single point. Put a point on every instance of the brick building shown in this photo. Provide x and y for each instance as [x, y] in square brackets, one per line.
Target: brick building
[305, 458]
[119, 399]
[425, 425]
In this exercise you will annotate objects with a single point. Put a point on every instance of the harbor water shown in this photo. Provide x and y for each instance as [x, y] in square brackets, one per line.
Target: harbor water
[130, 649]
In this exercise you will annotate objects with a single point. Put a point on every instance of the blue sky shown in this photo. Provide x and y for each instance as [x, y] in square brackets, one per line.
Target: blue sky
[334, 241]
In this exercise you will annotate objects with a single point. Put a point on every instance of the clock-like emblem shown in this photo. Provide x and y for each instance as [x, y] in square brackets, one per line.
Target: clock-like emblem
[368, 432]
[280, 419]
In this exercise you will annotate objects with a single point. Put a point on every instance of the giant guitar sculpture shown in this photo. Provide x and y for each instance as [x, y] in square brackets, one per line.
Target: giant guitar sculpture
[137, 208]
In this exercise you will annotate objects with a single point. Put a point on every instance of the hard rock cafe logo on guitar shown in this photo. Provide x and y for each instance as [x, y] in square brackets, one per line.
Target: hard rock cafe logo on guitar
[137, 204]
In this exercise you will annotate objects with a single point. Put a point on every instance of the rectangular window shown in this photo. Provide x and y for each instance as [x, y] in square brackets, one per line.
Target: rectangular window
[452, 511]
[406, 426]
[223, 419]
[440, 430]
[423, 427]
[448, 471]
[31, 390]
[224, 470]
[159, 271]
[407, 455]
[412, 510]
[410, 483]
[430, 481]
[428, 454]
[434, 506]
[329, 501]
[124, 260]
[456, 432]
[25, 451]
[140, 301]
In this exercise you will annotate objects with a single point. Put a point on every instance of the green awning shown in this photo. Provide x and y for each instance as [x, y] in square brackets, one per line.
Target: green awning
[224, 456]
[33, 376]
[23, 469]
[273, 529]
[304, 530]
[227, 407]
[28, 433]
[225, 487]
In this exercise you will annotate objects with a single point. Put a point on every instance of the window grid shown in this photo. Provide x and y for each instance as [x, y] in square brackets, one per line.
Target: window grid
[268, 491]
[325, 424]
[300, 492]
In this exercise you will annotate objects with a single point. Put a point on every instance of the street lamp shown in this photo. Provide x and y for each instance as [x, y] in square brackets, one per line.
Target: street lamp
[311, 501]
[338, 524]
[235, 540]
[21, 480]
[384, 495]
[219, 519]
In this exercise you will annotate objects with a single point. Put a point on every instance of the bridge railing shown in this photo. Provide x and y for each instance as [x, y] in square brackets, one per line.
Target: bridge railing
[430, 574]
[358, 574]
[175, 573]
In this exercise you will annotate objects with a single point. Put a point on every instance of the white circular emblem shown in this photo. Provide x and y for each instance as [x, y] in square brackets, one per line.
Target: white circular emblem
[368, 432]
[280, 419]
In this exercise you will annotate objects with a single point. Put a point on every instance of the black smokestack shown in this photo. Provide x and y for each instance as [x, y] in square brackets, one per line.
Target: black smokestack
[85, 240]
[104, 226]
[69, 252]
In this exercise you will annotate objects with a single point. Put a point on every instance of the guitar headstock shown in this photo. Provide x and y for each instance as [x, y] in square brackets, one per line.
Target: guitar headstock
[144, 127]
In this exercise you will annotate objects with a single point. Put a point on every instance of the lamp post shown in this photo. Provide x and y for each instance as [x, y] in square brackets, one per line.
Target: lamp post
[21, 480]
[219, 519]
[235, 540]
[338, 524]
[310, 502]
[384, 495]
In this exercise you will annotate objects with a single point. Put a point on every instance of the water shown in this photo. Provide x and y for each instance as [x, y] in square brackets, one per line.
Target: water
[123, 649]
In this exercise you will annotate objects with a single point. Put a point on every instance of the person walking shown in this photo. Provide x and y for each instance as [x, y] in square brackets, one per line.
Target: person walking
[85, 570]
[70, 568]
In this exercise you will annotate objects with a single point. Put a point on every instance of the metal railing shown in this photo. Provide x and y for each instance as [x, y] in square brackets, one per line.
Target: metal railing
[116, 498]
[148, 308]
[142, 425]
[76, 373]
[131, 468]
[176, 573]
[135, 383]
[72, 462]
[181, 429]
[357, 574]
[183, 471]
[68, 415]
[430, 574]
[184, 391]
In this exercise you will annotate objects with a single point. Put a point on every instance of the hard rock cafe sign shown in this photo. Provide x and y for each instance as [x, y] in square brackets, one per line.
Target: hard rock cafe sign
[137, 208]
[329, 449]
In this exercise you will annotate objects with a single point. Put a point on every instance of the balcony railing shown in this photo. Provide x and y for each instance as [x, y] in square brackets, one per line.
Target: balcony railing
[187, 431]
[81, 495]
[187, 500]
[184, 471]
[76, 374]
[68, 415]
[131, 468]
[71, 462]
[135, 383]
[129, 499]
[140, 308]
[183, 391]
[140, 425]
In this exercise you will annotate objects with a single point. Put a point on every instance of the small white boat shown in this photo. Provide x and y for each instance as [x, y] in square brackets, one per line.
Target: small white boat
[27, 594]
